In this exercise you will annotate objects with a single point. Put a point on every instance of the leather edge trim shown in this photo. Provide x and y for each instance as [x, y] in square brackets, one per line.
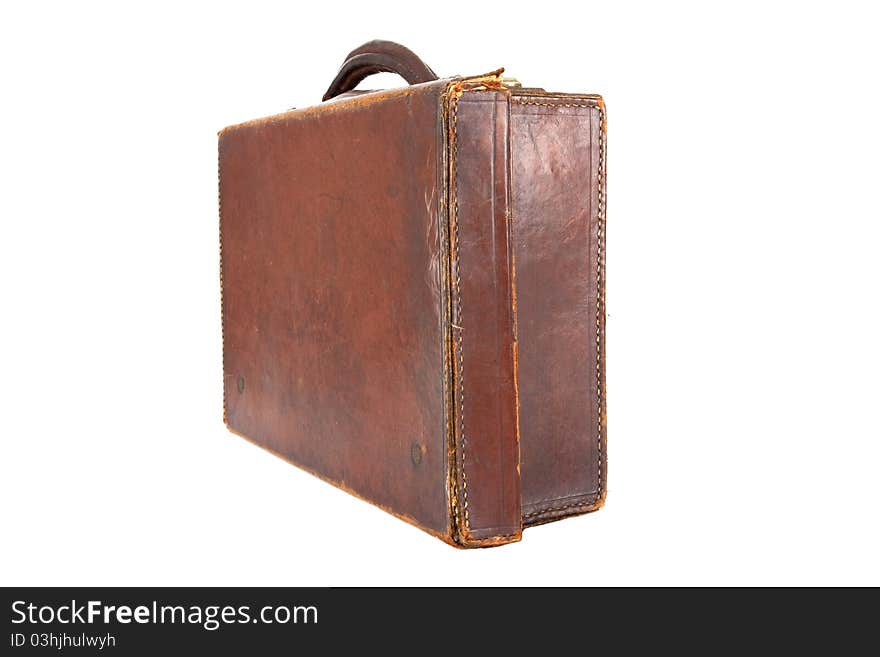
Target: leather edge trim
[457, 470]
[443, 258]
[458, 500]
[601, 438]
[592, 502]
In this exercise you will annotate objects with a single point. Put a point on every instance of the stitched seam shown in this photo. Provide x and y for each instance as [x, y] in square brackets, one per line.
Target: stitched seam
[547, 501]
[600, 235]
[459, 325]
[222, 314]
[600, 228]
[456, 251]
[545, 104]
[561, 508]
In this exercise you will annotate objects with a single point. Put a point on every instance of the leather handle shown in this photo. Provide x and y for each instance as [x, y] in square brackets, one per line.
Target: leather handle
[379, 57]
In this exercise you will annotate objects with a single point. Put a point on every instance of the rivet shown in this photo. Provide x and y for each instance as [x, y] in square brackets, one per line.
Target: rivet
[239, 383]
[415, 453]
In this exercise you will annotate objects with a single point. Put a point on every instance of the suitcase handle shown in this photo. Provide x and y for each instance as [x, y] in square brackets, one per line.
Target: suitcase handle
[379, 57]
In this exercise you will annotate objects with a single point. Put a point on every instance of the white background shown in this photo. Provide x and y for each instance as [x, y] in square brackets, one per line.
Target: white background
[743, 322]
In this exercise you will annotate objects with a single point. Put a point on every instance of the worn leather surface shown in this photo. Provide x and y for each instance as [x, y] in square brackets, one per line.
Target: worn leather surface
[332, 304]
[556, 143]
[413, 300]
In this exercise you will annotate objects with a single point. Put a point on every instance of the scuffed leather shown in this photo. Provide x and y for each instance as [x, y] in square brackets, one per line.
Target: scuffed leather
[332, 308]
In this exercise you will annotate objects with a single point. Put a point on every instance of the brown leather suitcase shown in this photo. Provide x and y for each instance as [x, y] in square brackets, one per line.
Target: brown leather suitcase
[413, 295]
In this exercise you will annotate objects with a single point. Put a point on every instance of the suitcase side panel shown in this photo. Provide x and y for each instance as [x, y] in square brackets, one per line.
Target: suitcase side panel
[486, 443]
[557, 195]
[333, 312]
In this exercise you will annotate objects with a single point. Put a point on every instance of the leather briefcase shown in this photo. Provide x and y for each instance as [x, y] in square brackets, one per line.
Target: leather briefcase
[413, 295]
